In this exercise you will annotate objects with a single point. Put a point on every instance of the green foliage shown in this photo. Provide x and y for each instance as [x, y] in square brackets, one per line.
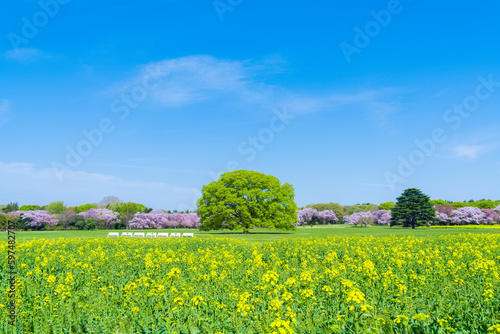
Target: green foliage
[387, 205]
[32, 207]
[413, 208]
[10, 207]
[55, 207]
[481, 204]
[127, 210]
[458, 205]
[5, 220]
[484, 204]
[335, 207]
[85, 207]
[439, 202]
[90, 224]
[350, 209]
[80, 224]
[245, 199]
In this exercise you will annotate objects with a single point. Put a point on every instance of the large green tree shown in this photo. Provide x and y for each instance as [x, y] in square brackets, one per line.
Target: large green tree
[413, 208]
[245, 199]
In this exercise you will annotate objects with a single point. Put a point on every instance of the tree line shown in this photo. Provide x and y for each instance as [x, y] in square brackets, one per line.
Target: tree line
[245, 200]
[110, 213]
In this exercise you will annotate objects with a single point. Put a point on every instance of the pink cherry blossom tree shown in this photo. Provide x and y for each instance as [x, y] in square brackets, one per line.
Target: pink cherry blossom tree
[153, 219]
[161, 219]
[363, 218]
[36, 218]
[469, 215]
[327, 216]
[382, 217]
[306, 215]
[101, 215]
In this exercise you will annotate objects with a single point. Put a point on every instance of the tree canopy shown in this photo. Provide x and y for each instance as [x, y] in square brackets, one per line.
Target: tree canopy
[10, 207]
[31, 207]
[413, 208]
[55, 207]
[386, 205]
[85, 207]
[245, 199]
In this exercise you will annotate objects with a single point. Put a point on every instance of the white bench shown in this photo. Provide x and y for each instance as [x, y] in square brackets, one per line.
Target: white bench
[175, 235]
[162, 235]
[139, 234]
[188, 235]
[113, 234]
[126, 234]
[151, 235]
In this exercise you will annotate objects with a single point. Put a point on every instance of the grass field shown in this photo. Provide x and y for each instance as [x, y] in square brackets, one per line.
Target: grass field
[261, 235]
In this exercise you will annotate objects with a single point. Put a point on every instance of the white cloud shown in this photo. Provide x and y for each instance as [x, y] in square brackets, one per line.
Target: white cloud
[26, 183]
[376, 103]
[471, 152]
[195, 79]
[25, 54]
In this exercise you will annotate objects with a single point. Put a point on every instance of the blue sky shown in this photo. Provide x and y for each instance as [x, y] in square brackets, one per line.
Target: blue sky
[349, 103]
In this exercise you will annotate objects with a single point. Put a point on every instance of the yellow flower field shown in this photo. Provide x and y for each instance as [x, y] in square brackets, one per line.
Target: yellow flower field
[448, 284]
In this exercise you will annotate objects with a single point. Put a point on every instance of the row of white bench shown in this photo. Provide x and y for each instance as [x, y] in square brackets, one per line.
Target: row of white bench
[149, 235]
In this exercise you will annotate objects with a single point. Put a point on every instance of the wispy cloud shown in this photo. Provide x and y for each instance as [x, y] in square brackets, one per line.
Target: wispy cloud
[27, 181]
[441, 92]
[195, 79]
[471, 152]
[25, 54]
[477, 144]
[4, 110]
[377, 104]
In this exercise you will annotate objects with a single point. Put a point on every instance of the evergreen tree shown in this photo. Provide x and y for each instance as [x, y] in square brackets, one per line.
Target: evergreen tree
[413, 208]
[10, 207]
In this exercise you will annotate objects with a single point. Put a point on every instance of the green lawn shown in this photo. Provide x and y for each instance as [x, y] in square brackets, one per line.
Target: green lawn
[261, 235]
